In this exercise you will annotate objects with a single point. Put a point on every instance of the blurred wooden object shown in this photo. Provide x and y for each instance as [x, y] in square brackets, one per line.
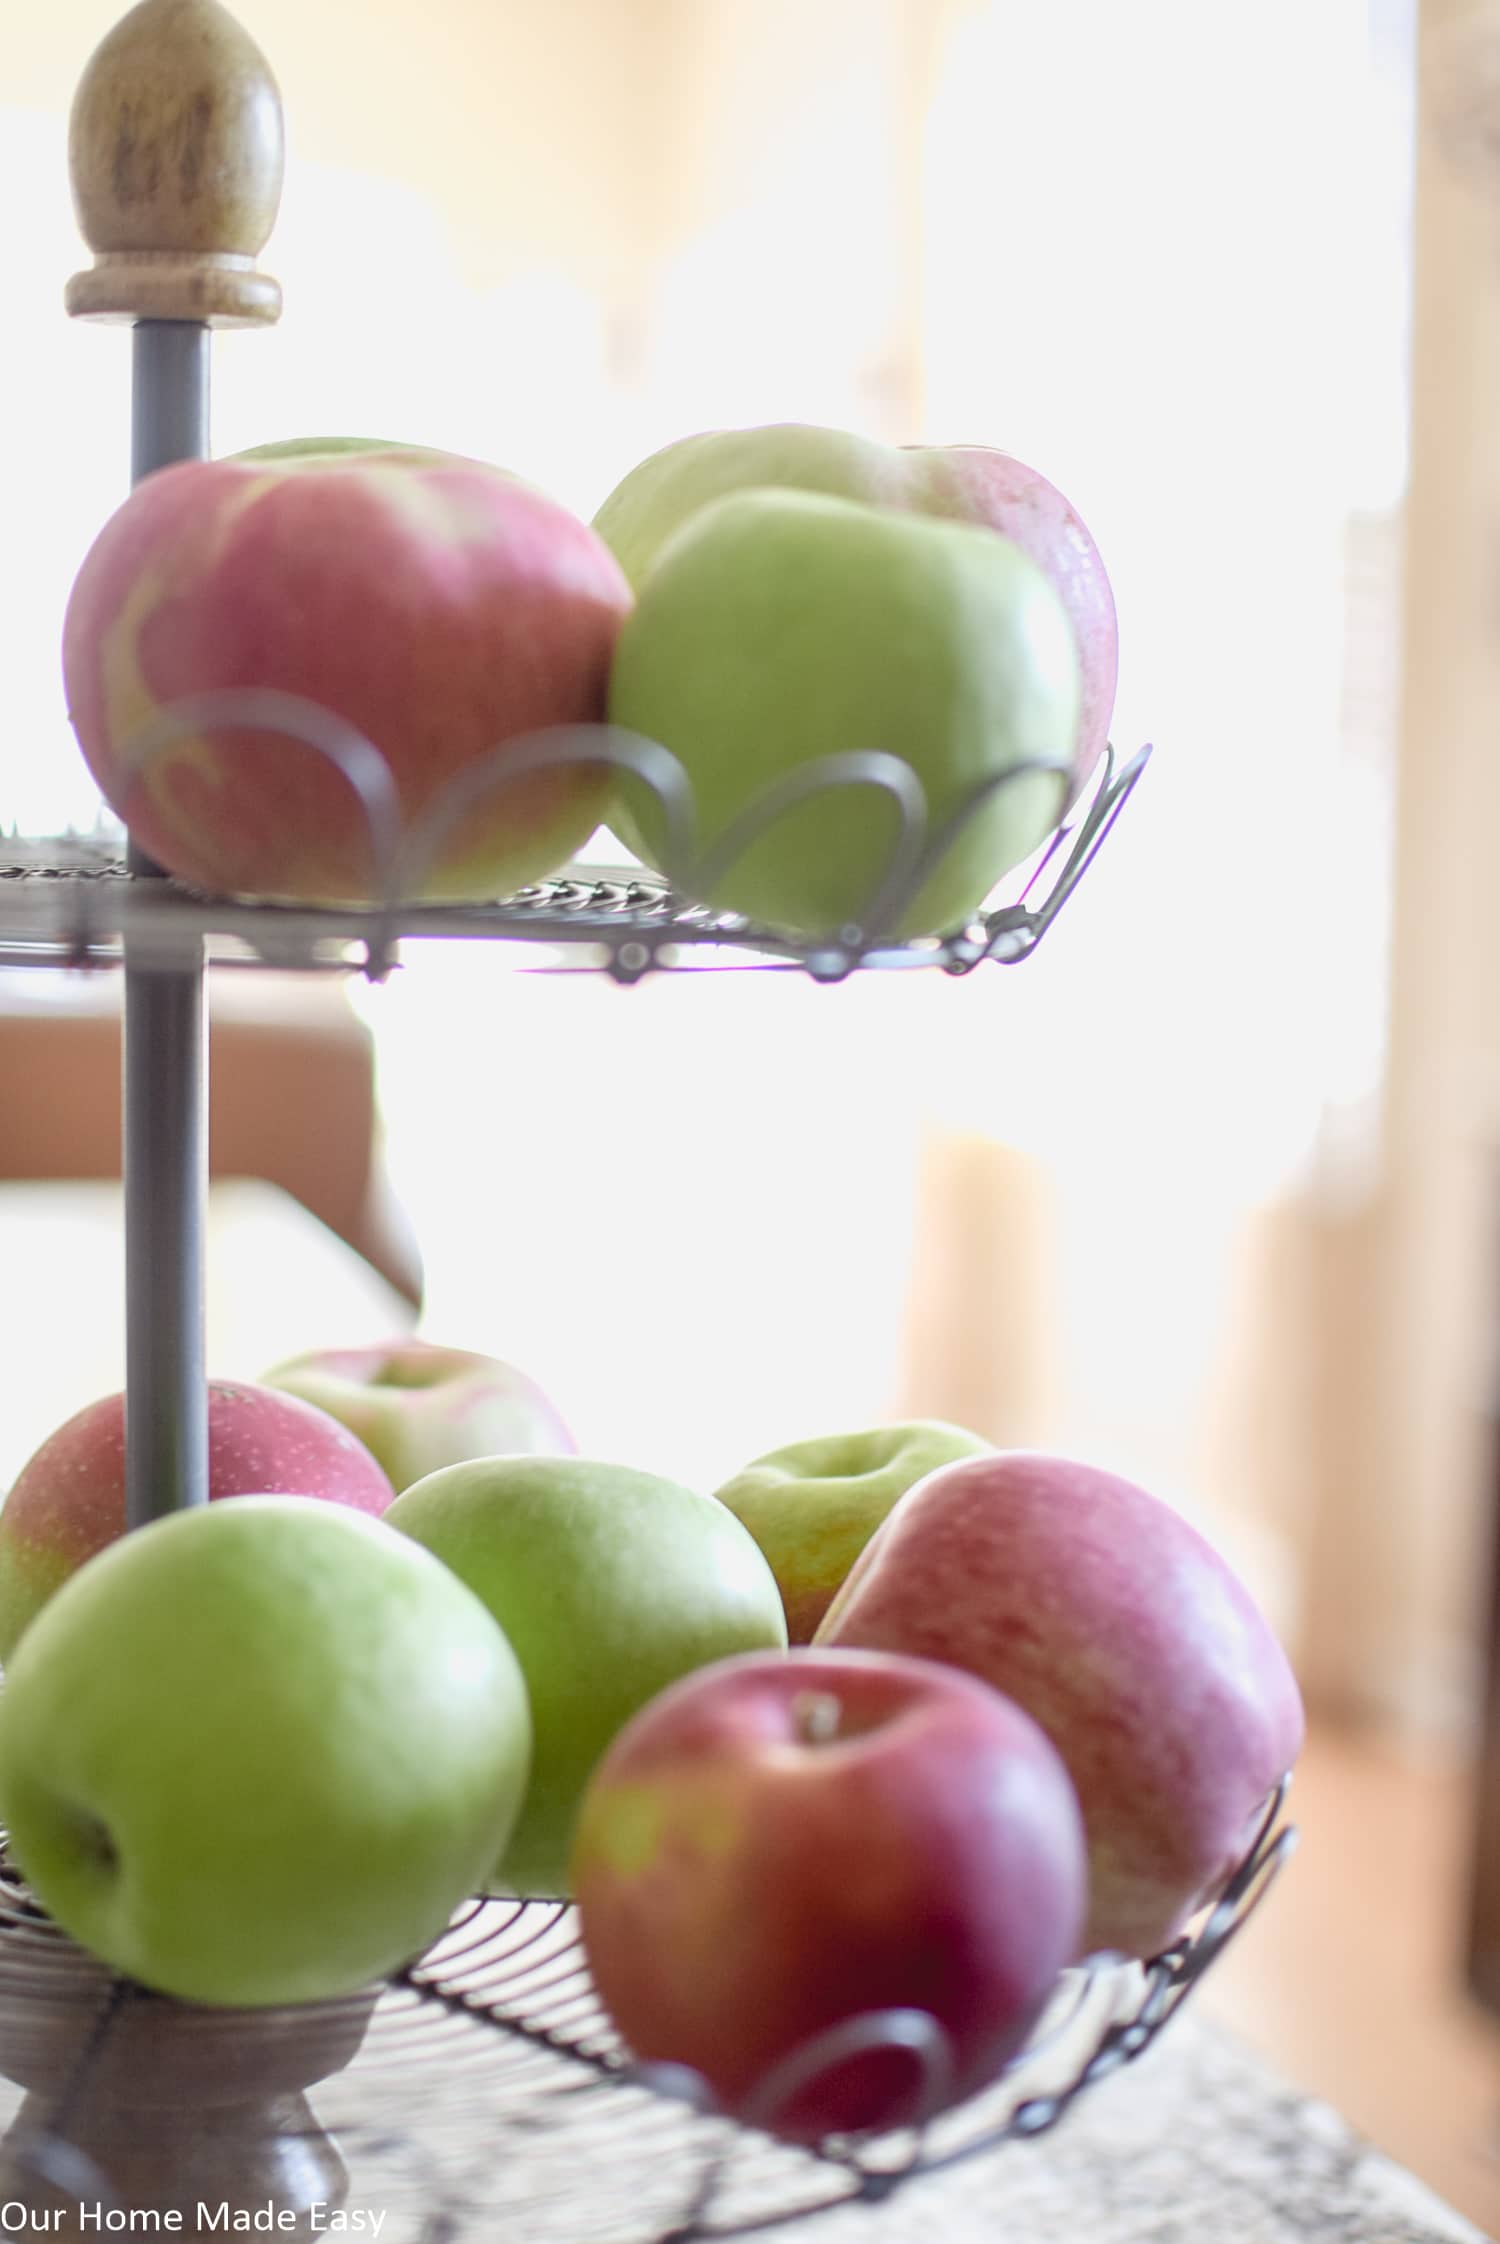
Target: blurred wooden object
[1350, 1978]
[1482, 1876]
[279, 1282]
[291, 1100]
[1395, 1610]
[176, 149]
[982, 1314]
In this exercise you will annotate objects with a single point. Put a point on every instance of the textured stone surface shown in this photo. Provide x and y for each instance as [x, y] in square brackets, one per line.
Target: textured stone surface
[1195, 2143]
[446, 2113]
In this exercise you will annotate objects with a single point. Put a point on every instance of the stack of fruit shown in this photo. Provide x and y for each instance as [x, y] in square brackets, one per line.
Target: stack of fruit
[257, 1753]
[436, 650]
[891, 1724]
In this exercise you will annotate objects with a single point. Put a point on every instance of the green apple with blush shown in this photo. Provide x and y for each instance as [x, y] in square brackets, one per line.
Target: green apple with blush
[418, 1406]
[258, 1752]
[782, 628]
[954, 482]
[813, 1505]
[609, 1583]
[323, 447]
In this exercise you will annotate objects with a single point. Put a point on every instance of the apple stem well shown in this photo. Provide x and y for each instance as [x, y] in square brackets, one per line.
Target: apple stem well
[96, 1843]
[818, 1716]
[394, 1373]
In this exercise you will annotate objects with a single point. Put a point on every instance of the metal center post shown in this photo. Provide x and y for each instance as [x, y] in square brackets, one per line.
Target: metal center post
[166, 1066]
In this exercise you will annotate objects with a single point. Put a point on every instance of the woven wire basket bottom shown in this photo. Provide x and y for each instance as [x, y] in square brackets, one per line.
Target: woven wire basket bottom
[481, 2094]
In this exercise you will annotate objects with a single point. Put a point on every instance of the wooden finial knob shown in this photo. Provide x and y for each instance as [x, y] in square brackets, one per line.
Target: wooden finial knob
[175, 148]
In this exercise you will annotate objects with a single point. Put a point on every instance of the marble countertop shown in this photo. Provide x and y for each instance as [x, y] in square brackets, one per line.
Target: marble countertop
[1196, 2142]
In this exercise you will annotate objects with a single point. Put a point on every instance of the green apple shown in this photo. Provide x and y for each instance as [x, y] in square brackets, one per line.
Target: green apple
[610, 1584]
[653, 502]
[778, 629]
[319, 447]
[813, 1505]
[956, 482]
[257, 1752]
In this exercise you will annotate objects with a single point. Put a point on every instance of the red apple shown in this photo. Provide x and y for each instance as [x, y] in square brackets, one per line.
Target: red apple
[782, 1844]
[418, 1407]
[437, 605]
[69, 1500]
[1125, 1635]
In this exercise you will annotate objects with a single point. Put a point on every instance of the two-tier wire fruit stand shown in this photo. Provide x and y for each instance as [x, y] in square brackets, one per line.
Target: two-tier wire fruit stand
[482, 2091]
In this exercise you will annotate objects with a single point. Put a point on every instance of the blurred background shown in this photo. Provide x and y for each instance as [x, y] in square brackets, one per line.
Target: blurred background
[1206, 1190]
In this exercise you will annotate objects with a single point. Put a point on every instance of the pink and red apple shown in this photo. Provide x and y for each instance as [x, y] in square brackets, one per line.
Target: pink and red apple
[417, 1407]
[960, 482]
[1118, 1627]
[435, 604]
[69, 1500]
[781, 1846]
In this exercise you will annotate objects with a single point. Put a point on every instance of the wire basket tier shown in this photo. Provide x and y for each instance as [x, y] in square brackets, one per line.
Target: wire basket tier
[71, 901]
[484, 2092]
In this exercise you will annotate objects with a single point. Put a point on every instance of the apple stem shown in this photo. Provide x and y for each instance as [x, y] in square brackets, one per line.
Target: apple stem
[817, 1715]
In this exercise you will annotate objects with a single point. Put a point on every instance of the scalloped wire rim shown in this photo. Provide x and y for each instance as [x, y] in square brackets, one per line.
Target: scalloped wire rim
[77, 910]
[514, 1975]
[403, 860]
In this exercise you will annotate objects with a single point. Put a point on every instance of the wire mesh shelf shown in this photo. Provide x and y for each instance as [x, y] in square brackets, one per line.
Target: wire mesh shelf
[483, 2090]
[72, 902]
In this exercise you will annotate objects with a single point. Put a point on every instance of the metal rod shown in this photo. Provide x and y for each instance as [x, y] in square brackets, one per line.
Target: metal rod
[166, 1070]
[169, 394]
